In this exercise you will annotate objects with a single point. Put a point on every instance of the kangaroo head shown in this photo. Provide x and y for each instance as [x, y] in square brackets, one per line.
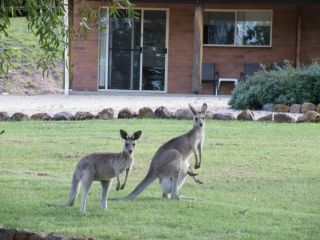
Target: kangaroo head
[199, 116]
[129, 142]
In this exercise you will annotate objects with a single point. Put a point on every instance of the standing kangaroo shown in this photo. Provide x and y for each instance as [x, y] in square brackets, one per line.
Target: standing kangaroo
[103, 167]
[170, 163]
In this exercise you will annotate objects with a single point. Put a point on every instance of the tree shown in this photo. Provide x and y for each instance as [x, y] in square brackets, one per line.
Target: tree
[46, 20]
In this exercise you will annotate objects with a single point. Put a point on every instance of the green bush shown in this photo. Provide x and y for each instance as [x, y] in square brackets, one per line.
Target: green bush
[287, 85]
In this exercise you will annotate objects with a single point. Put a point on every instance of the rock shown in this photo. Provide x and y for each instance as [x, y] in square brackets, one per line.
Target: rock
[310, 116]
[14, 234]
[246, 115]
[41, 117]
[163, 112]
[23, 235]
[223, 116]
[280, 108]
[209, 115]
[62, 116]
[283, 118]
[306, 107]
[106, 113]
[126, 113]
[268, 117]
[7, 233]
[79, 116]
[295, 108]
[19, 116]
[145, 112]
[4, 116]
[57, 236]
[267, 107]
[183, 114]
[317, 110]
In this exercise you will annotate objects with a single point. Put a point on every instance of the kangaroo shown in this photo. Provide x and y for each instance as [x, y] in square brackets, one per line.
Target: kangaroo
[103, 167]
[170, 163]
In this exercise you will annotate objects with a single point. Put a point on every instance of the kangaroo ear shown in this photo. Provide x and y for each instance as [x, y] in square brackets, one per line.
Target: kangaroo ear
[194, 112]
[123, 134]
[204, 108]
[137, 135]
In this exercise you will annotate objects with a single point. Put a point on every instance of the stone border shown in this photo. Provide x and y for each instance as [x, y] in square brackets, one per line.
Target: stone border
[161, 112]
[16, 234]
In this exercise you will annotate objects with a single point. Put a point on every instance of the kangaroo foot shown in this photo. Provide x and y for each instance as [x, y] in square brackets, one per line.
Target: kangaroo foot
[197, 180]
[192, 174]
[118, 187]
[122, 186]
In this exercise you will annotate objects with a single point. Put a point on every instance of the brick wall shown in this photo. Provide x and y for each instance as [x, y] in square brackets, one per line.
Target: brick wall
[310, 34]
[85, 58]
[229, 61]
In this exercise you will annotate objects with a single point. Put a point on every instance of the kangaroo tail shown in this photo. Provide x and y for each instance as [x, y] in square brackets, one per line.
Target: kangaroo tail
[74, 189]
[149, 178]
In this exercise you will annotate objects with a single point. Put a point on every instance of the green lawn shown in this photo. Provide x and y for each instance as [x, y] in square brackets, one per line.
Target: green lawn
[262, 181]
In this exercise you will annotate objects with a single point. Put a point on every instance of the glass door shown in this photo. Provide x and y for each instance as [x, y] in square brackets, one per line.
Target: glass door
[124, 52]
[154, 50]
[133, 52]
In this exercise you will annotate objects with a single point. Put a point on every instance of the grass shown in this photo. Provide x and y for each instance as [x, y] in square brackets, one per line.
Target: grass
[262, 181]
[25, 52]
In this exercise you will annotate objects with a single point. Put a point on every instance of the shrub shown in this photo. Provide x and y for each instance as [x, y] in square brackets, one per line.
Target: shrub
[287, 85]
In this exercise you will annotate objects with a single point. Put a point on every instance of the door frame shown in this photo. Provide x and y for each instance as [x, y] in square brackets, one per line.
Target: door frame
[141, 54]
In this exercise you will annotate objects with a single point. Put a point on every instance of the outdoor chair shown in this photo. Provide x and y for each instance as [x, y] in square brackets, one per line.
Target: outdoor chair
[209, 75]
[249, 70]
[275, 66]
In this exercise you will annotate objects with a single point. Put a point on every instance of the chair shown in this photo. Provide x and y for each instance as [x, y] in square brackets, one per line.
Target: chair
[276, 66]
[209, 75]
[249, 70]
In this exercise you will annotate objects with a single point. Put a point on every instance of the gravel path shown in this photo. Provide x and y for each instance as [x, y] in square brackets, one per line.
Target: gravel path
[95, 102]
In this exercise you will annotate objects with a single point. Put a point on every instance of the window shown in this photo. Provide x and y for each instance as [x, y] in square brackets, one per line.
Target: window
[237, 28]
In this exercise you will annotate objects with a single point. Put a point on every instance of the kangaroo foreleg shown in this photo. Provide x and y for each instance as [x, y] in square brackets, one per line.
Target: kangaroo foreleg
[197, 164]
[118, 183]
[125, 179]
[193, 175]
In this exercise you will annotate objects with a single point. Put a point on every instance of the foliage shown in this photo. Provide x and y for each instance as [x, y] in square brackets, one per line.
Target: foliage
[46, 20]
[261, 181]
[286, 85]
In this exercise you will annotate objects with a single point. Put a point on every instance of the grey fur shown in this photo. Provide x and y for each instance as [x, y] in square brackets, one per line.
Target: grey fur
[103, 167]
[170, 163]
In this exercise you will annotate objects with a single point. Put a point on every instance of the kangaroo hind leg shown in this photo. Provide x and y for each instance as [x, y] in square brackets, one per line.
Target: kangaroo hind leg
[105, 192]
[86, 182]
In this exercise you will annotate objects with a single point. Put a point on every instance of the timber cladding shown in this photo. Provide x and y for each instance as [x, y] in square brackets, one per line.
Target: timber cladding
[229, 61]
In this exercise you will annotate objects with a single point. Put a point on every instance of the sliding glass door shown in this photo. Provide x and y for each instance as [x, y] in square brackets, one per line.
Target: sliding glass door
[132, 52]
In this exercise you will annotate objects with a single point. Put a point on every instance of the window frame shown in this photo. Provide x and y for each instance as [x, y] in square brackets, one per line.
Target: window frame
[235, 31]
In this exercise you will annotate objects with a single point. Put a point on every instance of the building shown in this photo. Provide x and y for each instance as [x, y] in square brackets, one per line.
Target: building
[162, 50]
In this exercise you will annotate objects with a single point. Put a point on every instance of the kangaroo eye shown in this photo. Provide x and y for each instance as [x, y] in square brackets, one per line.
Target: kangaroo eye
[133, 144]
[196, 118]
[203, 118]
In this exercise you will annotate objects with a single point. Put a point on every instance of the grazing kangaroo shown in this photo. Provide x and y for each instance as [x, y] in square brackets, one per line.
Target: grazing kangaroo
[170, 163]
[103, 167]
